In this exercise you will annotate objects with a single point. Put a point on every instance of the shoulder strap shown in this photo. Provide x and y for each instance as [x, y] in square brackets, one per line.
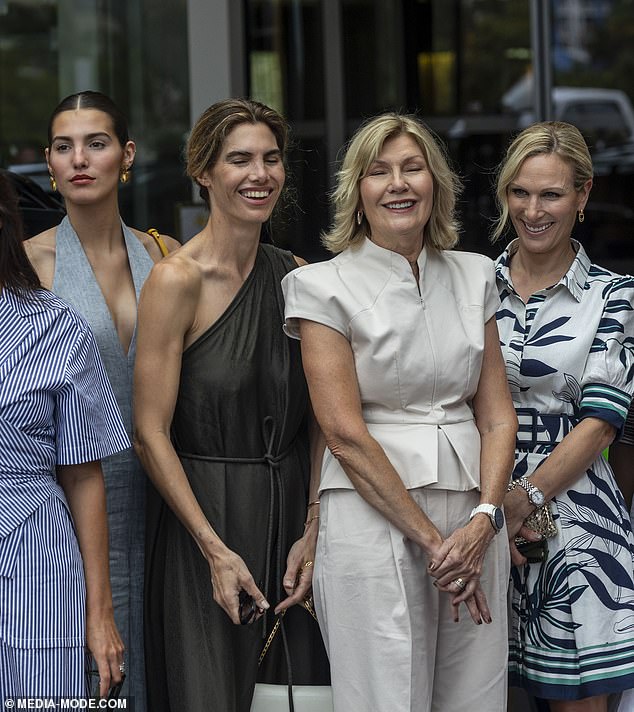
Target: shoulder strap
[159, 241]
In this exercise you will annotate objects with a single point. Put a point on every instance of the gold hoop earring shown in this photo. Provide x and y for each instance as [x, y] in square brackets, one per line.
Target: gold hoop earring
[359, 217]
[582, 217]
[53, 183]
[124, 176]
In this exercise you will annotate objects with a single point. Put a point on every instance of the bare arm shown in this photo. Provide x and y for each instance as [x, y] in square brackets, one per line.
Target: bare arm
[462, 554]
[84, 490]
[299, 571]
[166, 313]
[330, 372]
[566, 464]
[41, 252]
[496, 421]
[332, 381]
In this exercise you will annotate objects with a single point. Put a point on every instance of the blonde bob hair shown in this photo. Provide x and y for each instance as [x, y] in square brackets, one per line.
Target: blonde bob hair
[441, 231]
[544, 138]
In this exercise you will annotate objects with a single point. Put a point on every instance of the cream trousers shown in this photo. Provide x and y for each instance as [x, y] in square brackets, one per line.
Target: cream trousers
[391, 639]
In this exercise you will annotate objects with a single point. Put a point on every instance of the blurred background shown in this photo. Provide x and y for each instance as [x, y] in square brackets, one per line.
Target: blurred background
[474, 70]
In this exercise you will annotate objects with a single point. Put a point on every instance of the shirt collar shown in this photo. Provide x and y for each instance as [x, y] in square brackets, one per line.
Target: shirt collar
[388, 258]
[574, 280]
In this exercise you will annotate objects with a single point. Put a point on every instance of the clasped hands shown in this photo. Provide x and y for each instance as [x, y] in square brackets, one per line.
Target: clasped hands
[456, 565]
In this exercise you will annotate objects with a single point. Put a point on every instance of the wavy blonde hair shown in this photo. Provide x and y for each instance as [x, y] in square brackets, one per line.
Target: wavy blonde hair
[543, 138]
[441, 231]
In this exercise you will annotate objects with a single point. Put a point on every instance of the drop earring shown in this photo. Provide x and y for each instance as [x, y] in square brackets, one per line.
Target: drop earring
[359, 217]
[53, 182]
[582, 217]
[124, 176]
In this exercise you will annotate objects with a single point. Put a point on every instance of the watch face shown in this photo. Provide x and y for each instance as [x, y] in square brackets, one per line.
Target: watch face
[498, 516]
[537, 497]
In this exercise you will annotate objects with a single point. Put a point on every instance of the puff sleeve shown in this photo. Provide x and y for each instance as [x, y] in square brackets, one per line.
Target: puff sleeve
[88, 423]
[607, 380]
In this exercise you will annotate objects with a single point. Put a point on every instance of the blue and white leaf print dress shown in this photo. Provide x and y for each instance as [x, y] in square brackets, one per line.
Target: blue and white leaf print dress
[569, 355]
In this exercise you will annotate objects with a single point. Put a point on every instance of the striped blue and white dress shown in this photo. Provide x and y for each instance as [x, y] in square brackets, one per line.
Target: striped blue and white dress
[56, 408]
[569, 355]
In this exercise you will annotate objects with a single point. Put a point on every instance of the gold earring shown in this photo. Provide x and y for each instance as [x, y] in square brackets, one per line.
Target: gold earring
[53, 183]
[124, 176]
[582, 217]
[359, 217]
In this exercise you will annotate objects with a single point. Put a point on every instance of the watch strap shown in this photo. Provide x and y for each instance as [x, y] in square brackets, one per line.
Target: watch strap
[489, 510]
[535, 495]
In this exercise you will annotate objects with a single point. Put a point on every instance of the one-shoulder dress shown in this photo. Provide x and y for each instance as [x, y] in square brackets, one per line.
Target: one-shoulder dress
[239, 429]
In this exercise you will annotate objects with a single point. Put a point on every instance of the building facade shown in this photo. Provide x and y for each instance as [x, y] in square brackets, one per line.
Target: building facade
[473, 69]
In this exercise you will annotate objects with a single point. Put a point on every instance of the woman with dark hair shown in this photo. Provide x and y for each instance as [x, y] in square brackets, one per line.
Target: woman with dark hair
[58, 418]
[98, 264]
[224, 437]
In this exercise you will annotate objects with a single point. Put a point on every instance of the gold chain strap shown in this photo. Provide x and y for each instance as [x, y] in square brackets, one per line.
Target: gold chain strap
[307, 603]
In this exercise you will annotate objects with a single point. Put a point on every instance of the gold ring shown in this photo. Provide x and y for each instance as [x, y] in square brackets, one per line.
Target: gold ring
[308, 564]
[460, 584]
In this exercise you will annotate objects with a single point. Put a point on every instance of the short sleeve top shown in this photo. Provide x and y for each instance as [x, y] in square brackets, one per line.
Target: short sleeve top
[417, 349]
[56, 403]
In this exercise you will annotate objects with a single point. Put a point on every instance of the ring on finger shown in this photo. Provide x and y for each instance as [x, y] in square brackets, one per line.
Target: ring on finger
[460, 583]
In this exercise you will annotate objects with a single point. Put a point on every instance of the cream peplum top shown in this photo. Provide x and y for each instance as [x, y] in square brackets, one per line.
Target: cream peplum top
[417, 350]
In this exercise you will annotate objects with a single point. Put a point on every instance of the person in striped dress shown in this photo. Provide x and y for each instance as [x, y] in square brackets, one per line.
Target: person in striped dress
[98, 264]
[58, 418]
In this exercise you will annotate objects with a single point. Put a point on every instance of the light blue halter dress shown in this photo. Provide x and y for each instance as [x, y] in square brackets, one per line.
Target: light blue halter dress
[75, 282]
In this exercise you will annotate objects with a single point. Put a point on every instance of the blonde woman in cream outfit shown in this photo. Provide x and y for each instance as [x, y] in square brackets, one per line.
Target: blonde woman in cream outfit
[401, 353]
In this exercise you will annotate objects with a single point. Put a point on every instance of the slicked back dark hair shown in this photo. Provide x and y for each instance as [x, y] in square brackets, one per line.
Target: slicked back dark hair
[92, 100]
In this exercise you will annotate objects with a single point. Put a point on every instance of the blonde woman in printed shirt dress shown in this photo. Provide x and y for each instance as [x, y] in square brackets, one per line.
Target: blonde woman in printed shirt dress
[566, 331]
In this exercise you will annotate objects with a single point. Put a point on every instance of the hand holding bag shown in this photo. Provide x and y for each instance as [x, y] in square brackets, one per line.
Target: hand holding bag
[542, 522]
[300, 698]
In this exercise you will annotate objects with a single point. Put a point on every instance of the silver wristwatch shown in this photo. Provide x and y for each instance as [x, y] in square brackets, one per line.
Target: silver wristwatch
[495, 514]
[535, 495]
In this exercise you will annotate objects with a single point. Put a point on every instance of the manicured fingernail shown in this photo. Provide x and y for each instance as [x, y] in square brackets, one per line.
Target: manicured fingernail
[431, 566]
[264, 604]
[435, 583]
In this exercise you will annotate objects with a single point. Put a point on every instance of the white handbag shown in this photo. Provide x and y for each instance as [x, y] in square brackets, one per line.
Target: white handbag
[306, 698]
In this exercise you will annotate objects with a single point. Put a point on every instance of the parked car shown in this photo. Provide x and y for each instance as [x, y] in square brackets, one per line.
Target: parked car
[150, 199]
[40, 210]
[604, 116]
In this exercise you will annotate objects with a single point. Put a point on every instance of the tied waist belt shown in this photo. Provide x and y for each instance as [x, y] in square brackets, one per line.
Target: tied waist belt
[537, 428]
[276, 491]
